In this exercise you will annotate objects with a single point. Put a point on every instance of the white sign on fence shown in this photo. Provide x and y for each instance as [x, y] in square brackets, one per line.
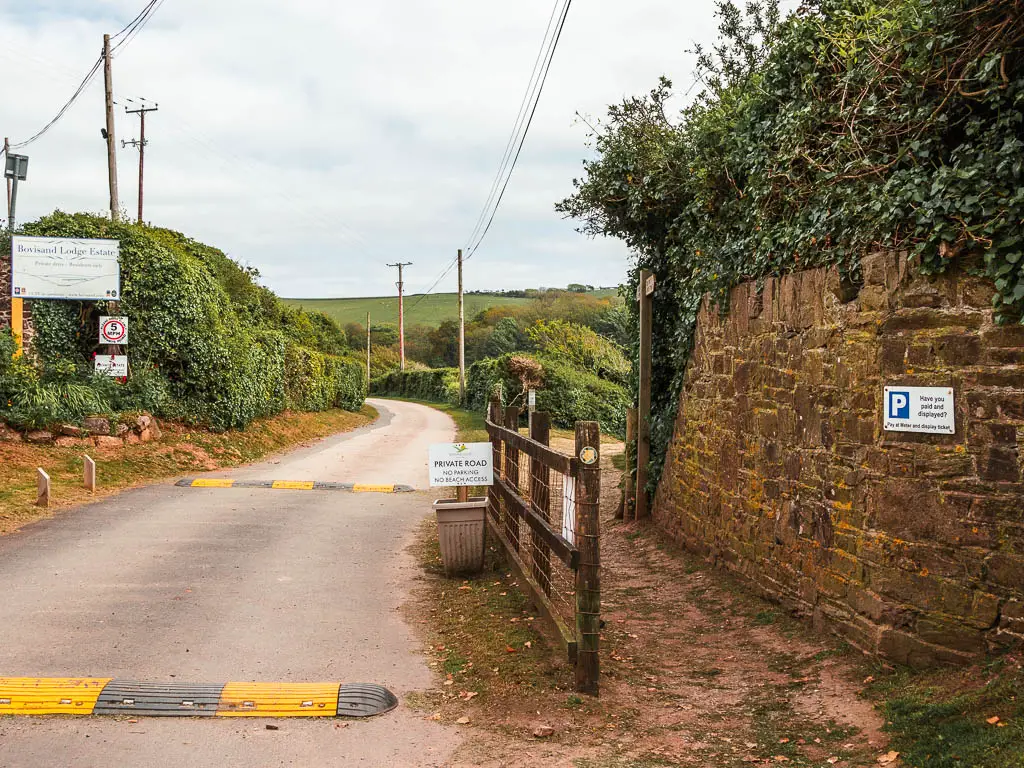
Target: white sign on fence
[920, 409]
[115, 366]
[569, 509]
[65, 268]
[113, 330]
[461, 464]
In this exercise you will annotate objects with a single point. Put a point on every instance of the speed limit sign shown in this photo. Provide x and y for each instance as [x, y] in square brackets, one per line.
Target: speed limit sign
[113, 330]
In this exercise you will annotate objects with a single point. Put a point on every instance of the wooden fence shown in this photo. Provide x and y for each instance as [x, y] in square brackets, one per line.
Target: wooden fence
[544, 509]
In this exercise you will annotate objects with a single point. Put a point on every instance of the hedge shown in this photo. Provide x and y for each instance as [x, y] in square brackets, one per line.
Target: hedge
[437, 385]
[209, 345]
[568, 394]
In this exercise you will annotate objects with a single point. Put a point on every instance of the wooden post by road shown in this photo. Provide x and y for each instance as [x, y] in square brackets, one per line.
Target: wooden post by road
[629, 489]
[89, 478]
[512, 474]
[462, 338]
[588, 542]
[644, 295]
[108, 85]
[367, 350]
[42, 488]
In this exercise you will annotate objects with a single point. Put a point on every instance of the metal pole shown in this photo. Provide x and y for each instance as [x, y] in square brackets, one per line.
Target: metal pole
[462, 337]
[108, 84]
[14, 203]
[367, 348]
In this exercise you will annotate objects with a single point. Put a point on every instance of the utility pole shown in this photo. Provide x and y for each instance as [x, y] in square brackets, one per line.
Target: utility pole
[108, 84]
[141, 144]
[367, 349]
[401, 312]
[462, 338]
[7, 150]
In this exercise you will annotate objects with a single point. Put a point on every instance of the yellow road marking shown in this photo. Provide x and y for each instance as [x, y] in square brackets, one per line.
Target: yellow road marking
[279, 700]
[50, 696]
[294, 485]
[373, 489]
[212, 483]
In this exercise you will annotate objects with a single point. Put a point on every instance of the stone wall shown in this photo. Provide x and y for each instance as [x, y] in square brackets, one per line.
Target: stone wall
[908, 545]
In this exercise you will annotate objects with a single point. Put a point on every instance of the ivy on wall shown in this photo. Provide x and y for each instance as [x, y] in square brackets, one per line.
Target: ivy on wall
[848, 125]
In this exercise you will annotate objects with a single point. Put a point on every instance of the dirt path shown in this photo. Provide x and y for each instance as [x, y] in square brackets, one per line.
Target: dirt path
[695, 671]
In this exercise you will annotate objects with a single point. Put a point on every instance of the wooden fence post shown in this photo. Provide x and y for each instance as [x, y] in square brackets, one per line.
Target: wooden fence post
[588, 542]
[512, 476]
[42, 488]
[629, 493]
[644, 295]
[89, 474]
[495, 417]
[540, 496]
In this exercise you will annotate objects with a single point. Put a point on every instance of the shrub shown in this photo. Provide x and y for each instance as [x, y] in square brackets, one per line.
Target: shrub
[563, 390]
[437, 385]
[208, 344]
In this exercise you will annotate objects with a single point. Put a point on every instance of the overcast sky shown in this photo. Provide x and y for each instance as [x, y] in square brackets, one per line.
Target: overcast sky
[318, 140]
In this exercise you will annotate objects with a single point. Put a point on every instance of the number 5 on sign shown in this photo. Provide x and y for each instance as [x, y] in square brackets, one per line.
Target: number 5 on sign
[113, 330]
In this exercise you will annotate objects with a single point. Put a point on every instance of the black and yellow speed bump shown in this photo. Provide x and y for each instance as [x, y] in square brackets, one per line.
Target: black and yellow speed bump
[34, 696]
[292, 485]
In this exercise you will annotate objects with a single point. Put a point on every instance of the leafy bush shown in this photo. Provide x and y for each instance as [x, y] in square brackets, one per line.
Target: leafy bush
[581, 346]
[437, 385]
[566, 392]
[847, 126]
[208, 344]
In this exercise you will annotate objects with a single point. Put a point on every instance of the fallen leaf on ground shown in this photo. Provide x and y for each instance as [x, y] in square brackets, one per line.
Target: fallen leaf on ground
[528, 644]
[993, 720]
[509, 649]
[462, 721]
[888, 757]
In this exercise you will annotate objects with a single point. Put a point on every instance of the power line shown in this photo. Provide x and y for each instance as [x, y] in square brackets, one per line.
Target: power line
[67, 105]
[531, 98]
[130, 30]
[526, 129]
[520, 116]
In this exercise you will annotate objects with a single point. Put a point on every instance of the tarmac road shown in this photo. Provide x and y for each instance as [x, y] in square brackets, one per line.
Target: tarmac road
[228, 584]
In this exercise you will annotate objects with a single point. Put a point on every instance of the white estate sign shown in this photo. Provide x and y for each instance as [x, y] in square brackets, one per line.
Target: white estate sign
[115, 366]
[65, 268]
[113, 330]
[920, 409]
[461, 464]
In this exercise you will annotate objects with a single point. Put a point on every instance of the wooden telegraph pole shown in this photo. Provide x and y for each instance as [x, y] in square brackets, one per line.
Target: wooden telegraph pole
[108, 84]
[141, 144]
[644, 295]
[401, 313]
[462, 338]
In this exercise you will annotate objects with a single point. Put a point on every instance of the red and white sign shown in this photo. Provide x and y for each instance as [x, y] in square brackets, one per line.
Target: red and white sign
[113, 330]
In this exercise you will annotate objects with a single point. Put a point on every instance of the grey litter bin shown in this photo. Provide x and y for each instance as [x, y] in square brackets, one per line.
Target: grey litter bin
[460, 529]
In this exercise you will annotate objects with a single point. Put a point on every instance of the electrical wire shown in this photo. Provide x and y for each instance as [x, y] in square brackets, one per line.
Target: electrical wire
[67, 105]
[521, 127]
[130, 30]
[520, 116]
[471, 251]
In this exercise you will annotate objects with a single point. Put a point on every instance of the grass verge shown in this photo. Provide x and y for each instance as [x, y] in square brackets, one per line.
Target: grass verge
[182, 449]
[967, 718]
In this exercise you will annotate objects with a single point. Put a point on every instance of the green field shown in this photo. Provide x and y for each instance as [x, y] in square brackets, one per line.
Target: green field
[432, 310]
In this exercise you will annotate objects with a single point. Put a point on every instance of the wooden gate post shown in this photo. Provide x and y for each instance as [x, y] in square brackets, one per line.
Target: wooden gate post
[588, 542]
[511, 473]
[495, 417]
[629, 489]
[644, 295]
[540, 497]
